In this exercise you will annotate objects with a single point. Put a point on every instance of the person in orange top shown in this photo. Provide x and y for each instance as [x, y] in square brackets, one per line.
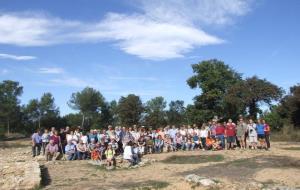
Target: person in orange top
[267, 133]
[209, 142]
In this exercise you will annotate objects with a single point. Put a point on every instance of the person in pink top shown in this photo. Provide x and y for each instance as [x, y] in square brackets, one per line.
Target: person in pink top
[51, 150]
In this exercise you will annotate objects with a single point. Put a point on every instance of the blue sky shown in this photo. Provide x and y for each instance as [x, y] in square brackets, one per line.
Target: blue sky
[143, 47]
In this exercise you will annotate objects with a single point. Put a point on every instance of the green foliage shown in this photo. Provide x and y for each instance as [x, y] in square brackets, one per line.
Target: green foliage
[73, 119]
[10, 110]
[41, 113]
[155, 114]
[130, 109]
[89, 102]
[176, 112]
[273, 118]
[214, 78]
[289, 107]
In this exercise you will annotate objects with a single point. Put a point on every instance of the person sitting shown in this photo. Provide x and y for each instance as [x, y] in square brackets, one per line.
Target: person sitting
[168, 144]
[189, 143]
[51, 151]
[128, 153]
[209, 142]
[70, 151]
[149, 145]
[217, 145]
[95, 154]
[136, 153]
[110, 156]
[159, 144]
[114, 145]
[141, 144]
[82, 150]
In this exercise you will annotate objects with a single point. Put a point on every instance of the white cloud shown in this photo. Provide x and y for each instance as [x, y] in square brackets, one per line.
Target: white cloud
[212, 12]
[51, 70]
[15, 57]
[162, 29]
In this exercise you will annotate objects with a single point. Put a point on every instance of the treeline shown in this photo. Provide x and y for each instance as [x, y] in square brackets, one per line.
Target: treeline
[223, 93]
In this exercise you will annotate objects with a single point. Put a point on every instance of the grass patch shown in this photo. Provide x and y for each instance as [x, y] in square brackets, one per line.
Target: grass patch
[291, 148]
[193, 159]
[147, 185]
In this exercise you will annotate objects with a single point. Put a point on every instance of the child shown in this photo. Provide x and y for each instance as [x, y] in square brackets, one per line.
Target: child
[136, 153]
[95, 155]
[209, 142]
[217, 145]
[110, 156]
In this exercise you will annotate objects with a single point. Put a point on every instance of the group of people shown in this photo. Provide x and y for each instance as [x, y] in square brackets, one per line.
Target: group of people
[133, 142]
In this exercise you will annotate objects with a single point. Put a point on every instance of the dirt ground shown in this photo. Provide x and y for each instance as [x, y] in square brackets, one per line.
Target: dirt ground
[233, 169]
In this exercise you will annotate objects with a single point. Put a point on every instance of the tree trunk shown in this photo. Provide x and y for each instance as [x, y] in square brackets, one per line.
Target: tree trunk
[253, 109]
[82, 124]
[39, 122]
[8, 127]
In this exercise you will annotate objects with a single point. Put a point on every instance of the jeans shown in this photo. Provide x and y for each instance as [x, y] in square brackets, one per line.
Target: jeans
[71, 156]
[44, 144]
[81, 155]
[222, 139]
[36, 149]
[203, 142]
[158, 149]
[267, 136]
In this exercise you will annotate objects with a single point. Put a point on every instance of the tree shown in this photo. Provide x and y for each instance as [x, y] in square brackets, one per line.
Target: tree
[252, 92]
[73, 119]
[130, 109]
[10, 91]
[155, 113]
[89, 102]
[176, 112]
[214, 78]
[289, 107]
[42, 113]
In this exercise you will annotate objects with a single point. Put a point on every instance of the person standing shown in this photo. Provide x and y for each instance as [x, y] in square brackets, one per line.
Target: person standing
[36, 140]
[241, 132]
[230, 133]
[220, 131]
[45, 140]
[261, 134]
[267, 133]
[252, 134]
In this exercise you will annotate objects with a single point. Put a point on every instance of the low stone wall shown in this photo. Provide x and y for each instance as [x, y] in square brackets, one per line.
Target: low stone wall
[18, 170]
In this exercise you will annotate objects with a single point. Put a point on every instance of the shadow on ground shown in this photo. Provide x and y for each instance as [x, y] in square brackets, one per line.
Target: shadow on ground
[243, 169]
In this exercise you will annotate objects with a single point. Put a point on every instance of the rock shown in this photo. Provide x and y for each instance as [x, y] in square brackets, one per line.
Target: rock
[200, 180]
[207, 182]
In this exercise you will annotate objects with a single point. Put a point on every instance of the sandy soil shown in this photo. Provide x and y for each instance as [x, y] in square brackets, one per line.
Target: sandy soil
[239, 167]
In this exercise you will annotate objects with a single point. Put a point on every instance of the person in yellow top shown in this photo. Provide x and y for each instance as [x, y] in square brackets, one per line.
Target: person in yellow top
[110, 155]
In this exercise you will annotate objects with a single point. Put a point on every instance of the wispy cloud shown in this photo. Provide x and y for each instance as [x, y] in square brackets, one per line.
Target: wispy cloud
[161, 30]
[70, 82]
[134, 78]
[51, 70]
[3, 71]
[15, 57]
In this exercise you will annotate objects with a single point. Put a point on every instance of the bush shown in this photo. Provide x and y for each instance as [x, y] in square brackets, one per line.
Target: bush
[287, 133]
